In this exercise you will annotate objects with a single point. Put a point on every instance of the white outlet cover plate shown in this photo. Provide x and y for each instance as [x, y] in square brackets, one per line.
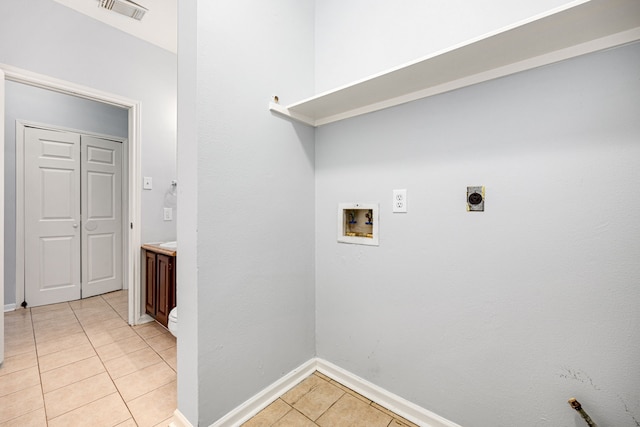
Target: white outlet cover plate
[400, 201]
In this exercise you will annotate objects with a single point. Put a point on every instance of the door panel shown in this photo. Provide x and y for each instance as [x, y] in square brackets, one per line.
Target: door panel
[163, 304]
[102, 223]
[52, 215]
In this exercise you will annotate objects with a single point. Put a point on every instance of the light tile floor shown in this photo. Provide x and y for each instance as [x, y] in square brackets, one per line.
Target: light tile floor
[81, 364]
[321, 401]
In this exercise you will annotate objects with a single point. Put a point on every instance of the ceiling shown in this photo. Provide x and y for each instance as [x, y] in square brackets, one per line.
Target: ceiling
[158, 26]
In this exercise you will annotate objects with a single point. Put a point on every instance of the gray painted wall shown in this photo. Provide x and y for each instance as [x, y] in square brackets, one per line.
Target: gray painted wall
[33, 104]
[494, 318]
[253, 284]
[45, 37]
[366, 37]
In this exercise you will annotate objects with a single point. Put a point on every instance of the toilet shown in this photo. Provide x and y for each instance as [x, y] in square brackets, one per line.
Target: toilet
[173, 322]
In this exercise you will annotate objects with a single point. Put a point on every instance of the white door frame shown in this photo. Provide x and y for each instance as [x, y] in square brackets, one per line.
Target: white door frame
[20, 213]
[131, 267]
[2, 214]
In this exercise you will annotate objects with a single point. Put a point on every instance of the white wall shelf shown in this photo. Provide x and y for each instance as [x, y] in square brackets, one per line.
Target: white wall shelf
[578, 28]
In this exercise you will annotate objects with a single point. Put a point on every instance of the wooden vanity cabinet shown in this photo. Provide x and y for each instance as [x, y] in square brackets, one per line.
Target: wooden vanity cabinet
[160, 283]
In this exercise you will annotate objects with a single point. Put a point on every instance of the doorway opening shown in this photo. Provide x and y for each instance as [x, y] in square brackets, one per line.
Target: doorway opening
[131, 160]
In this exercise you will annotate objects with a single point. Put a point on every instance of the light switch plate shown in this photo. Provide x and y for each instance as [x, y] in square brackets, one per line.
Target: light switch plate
[168, 214]
[148, 183]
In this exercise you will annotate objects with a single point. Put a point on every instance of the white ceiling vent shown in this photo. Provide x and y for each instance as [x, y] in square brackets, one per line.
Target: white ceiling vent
[124, 7]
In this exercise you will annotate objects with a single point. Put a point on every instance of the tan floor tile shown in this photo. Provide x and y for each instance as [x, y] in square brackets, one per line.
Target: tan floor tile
[56, 322]
[401, 421]
[20, 403]
[323, 376]
[132, 362]
[149, 330]
[18, 312]
[35, 418]
[18, 363]
[98, 316]
[92, 302]
[18, 332]
[124, 314]
[115, 295]
[107, 411]
[120, 348]
[162, 342]
[63, 343]
[294, 419]
[19, 380]
[165, 423]
[56, 332]
[169, 355]
[154, 407]
[351, 392]
[59, 316]
[72, 373]
[65, 357]
[296, 393]
[99, 338]
[78, 394]
[105, 325]
[15, 348]
[145, 380]
[21, 320]
[350, 411]
[269, 415]
[50, 307]
[128, 423]
[318, 400]
[119, 305]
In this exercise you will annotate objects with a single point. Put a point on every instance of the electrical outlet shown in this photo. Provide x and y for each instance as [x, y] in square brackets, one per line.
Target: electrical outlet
[400, 200]
[475, 199]
[168, 214]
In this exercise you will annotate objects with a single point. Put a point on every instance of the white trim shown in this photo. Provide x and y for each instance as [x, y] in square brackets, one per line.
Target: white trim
[9, 307]
[132, 276]
[179, 420]
[263, 399]
[382, 397]
[577, 28]
[2, 76]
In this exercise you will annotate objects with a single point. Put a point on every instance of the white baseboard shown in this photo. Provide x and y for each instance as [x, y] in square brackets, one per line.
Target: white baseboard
[382, 397]
[263, 399]
[9, 307]
[179, 420]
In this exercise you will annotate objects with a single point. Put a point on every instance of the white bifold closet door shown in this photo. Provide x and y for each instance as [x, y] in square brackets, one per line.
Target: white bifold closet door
[73, 216]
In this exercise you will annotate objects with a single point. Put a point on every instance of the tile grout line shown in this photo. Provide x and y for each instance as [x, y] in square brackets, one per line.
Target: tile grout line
[109, 373]
[154, 350]
[330, 406]
[84, 328]
[37, 366]
[101, 362]
[35, 344]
